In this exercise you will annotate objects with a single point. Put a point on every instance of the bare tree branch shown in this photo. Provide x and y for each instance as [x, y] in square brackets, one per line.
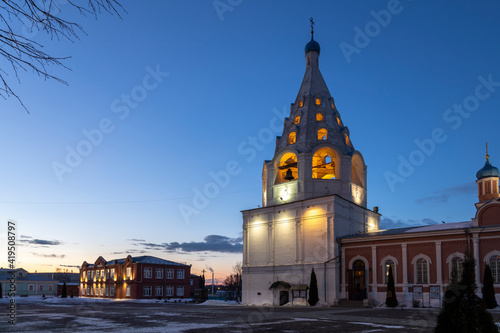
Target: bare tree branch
[23, 53]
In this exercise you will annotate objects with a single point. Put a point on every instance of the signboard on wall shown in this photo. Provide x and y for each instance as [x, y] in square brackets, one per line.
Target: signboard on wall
[417, 292]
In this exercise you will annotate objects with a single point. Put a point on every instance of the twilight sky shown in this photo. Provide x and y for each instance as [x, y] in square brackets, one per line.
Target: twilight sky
[157, 143]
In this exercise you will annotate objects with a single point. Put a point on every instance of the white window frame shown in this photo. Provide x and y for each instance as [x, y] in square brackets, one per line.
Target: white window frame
[127, 291]
[495, 271]
[170, 273]
[128, 273]
[428, 270]
[159, 273]
[180, 291]
[112, 291]
[180, 274]
[169, 291]
[147, 291]
[112, 273]
[385, 272]
[148, 272]
[106, 291]
[159, 291]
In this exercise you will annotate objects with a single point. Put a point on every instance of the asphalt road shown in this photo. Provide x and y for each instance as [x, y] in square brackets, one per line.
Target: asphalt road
[130, 316]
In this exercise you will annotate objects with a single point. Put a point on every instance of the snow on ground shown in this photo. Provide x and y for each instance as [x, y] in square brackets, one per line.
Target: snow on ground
[375, 325]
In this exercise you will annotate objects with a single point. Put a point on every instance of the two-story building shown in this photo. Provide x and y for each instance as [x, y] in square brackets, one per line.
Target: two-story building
[135, 278]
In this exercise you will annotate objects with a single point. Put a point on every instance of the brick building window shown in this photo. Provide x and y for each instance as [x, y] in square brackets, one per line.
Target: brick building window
[40, 287]
[112, 291]
[495, 268]
[158, 291]
[389, 263]
[170, 273]
[180, 274]
[169, 291]
[457, 267]
[147, 291]
[129, 272]
[180, 291]
[127, 291]
[148, 273]
[51, 287]
[31, 287]
[422, 270]
[159, 273]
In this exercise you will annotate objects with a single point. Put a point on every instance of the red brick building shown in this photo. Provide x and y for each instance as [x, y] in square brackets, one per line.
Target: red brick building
[135, 278]
[422, 258]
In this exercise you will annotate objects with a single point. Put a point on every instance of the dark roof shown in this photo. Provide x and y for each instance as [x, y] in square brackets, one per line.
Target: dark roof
[488, 170]
[29, 277]
[144, 260]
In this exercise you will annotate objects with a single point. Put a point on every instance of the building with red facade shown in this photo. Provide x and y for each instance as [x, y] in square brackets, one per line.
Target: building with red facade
[140, 277]
[422, 258]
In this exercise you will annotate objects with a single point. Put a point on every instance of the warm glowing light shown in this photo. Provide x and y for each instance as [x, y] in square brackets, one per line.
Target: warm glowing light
[292, 138]
[319, 116]
[347, 140]
[339, 122]
[296, 120]
[287, 161]
[318, 101]
[322, 134]
[301, 104]
[323, 164]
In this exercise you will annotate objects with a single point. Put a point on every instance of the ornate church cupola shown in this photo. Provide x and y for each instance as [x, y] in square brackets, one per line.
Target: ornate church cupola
[314, 156]
[487, 181]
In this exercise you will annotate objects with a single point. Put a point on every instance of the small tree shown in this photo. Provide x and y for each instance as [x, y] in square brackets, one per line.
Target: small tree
[313, 290]
[390, 298]
[64, 293]
[463, 311]
[488, 289]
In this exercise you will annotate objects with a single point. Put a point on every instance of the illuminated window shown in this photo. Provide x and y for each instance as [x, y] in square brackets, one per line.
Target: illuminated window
[456, 267]
[323, 164]
[112, 273]
[389, 264]
[422, 269]
[347, 140]
[301, 104]
[129, 272]
[339, 122]
[83, 291]
[357, 171]
[287, 162]
[292, 138]
[319, 116]
[318, 101]
[101, 291]
[333, 106]
[322, 134]
[296, 120]
[495, 268]
[127, 291]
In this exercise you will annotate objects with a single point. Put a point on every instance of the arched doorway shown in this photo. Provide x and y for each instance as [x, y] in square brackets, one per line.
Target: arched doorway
[357, 281]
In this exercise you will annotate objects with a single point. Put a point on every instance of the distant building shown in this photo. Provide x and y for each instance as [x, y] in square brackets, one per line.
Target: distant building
[71, 279]
[27, 284]
[135, 278]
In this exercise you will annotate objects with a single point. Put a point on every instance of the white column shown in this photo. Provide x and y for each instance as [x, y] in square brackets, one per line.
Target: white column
[404, 258]
[298, 240]
[344, 282]
[374, 268]
[475, 240]
[270, 243]
[245, 245]
[439, 272]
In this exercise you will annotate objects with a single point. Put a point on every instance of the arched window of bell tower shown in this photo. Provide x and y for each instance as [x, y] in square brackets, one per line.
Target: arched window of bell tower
[322, 134]
[287, 169]
[357, 168]
[323, 164]
[319, 116]
[292, 138]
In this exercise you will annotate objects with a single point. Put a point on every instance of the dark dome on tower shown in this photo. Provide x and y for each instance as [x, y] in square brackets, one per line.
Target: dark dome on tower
[312, 46]
[487, 171]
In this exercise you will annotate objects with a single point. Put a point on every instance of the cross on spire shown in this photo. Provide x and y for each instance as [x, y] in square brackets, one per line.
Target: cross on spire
[312, 26]
[487, 156]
